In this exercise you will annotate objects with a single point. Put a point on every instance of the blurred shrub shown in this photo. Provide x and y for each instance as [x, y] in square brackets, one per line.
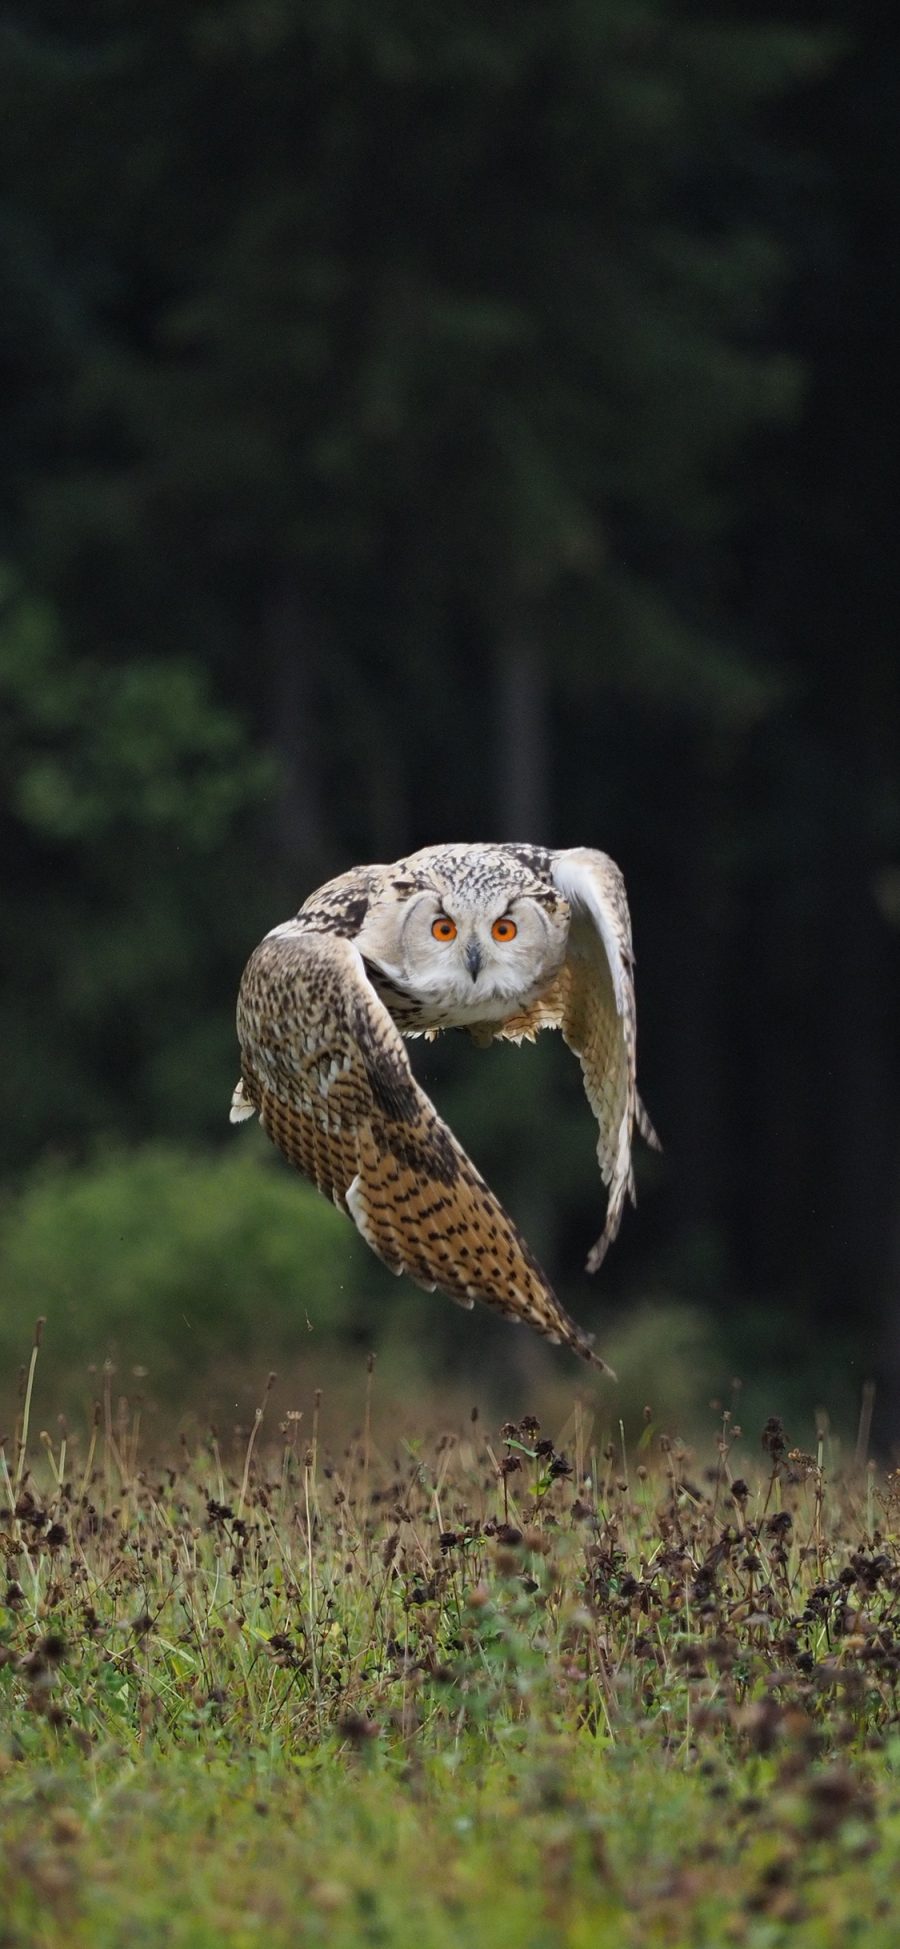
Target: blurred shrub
[171, 1261]
[207, 1269]
[667, 1356]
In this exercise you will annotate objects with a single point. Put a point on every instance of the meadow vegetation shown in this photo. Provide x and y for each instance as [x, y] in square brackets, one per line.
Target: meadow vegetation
[511, 1686]
[171, 1255]
[195, 1272]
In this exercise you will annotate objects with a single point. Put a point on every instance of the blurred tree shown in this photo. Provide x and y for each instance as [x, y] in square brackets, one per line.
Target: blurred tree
[384, 386]
[823, 788]
[124, 786]
[414, 323]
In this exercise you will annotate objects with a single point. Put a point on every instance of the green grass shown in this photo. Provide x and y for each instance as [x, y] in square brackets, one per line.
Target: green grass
[488, 1688]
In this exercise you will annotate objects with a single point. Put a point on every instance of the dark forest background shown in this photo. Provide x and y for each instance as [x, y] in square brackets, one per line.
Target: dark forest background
[453, 421]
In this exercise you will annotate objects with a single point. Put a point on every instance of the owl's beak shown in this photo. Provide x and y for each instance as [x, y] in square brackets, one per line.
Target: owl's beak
[473, 958]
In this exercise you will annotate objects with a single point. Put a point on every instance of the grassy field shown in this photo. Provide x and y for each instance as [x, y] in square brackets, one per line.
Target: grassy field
[507, 1687]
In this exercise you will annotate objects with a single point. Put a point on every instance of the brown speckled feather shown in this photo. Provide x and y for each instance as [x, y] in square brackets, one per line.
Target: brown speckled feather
[325, 1067]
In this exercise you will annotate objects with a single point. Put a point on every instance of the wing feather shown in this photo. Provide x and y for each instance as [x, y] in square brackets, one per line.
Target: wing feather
[325, 1067]
[598, 1017]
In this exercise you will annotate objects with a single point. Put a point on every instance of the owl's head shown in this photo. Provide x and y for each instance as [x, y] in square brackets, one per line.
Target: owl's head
[478, 955]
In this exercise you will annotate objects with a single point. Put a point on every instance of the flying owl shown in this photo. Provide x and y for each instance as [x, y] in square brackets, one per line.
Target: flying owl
[500, 940]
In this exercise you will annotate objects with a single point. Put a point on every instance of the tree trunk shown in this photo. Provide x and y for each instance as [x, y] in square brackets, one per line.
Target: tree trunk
[292, 650]
[522, 740]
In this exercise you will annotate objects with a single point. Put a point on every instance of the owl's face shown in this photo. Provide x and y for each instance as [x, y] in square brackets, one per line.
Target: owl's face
[469, 958]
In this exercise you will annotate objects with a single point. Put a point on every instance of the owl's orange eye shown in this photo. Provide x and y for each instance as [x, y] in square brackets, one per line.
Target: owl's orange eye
[443, 929]
[504, 930]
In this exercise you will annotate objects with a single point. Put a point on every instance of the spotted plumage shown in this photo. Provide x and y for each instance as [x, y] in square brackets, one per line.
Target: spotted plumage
[501, 940]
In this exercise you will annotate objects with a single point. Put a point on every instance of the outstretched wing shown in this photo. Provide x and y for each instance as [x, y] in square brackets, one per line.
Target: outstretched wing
[326, 1069]
[592, 1002]
[599, 1021]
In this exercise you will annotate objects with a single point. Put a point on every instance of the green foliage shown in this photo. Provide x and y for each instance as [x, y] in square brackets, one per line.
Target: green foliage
[668, 1356]
[129, 789]
[172, 1262]
[480, 298]
[207, 1268]
[202, 1268]
[423, 422]
[607, 1699]
[97, 751]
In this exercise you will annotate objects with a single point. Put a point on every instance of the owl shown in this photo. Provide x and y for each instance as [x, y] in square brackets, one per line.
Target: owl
[499, 940]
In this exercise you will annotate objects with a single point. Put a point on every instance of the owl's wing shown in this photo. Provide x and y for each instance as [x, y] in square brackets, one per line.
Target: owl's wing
[326, 1069]
[592, 1002]
[598, 1019]
[341, 905]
